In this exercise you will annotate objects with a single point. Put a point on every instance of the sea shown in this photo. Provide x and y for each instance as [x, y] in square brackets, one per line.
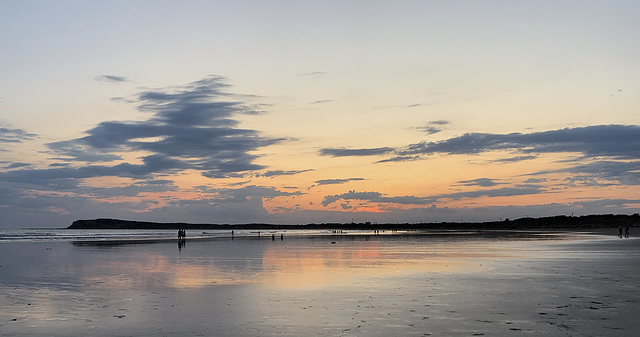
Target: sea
[64, 234]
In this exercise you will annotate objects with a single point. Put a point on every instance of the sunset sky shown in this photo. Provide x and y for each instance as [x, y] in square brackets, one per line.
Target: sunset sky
[317, 111]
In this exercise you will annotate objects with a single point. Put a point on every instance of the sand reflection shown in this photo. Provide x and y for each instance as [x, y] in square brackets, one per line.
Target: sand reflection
[347, 263]
[295, 263]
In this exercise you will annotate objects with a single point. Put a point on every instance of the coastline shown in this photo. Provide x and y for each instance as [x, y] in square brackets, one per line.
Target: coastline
[549, 223]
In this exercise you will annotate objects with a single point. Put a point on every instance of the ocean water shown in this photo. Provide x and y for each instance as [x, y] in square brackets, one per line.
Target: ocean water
[63, 234]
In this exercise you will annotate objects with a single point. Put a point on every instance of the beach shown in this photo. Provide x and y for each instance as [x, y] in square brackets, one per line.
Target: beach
[400, 284]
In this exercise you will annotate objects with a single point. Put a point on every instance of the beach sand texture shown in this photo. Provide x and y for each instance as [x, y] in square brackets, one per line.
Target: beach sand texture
[350, 285]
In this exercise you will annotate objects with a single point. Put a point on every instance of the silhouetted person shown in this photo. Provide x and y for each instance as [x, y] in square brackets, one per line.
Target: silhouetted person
[281, 236]
[620, 231]
[626, 232]
[273, 237]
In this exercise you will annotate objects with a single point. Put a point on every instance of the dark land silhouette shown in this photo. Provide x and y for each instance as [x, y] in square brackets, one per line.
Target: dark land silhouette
[545, 223]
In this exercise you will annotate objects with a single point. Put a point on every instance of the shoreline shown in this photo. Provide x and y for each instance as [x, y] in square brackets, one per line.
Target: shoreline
[550, 223]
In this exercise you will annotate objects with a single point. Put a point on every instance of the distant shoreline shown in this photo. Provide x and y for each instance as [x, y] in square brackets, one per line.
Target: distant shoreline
[550, 223]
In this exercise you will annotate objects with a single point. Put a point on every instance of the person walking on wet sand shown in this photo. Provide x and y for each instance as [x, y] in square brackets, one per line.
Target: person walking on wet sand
[620, 232]
[626, 232]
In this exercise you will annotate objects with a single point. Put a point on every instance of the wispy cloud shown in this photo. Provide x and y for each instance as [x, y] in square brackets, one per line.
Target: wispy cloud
[277, 173]
[336, 181]
[433, 127]
[484, 182]
[9, 135]
[111, 79]
[343, 152]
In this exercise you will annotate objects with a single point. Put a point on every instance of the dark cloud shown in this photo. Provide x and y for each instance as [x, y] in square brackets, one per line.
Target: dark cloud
[277, 173]
[111, 79]
[413, 200]
[605, 203]
[430, 130]
[484, 182]
[135, 189]
[375, 197]
[17, 165]
[515, 159]
[615, 141]
[246, 193]
[492, 193]
[335, 181]
[602, 171]
[342, 152]
[399, 159]
[8, 135]
[433, 127]
[190, 127]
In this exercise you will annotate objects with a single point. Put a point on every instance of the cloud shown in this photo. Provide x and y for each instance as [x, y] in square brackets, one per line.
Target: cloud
[8, 135]
[277, 173]
[335, 181]
[626, 173]
[492, 193]
[399, 159]
[322, 101]
[600, 203]
[515, 159]
[614, 141]
[414, 200]
[17, 165]
[342, 152]
[246, 193]
[430, 130]
[375, 197]
[314, 74]
[111, 79]
[190, 127]
[433, 127]
[484, 182]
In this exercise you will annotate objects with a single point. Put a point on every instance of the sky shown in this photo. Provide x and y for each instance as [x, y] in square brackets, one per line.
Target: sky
[299, 112]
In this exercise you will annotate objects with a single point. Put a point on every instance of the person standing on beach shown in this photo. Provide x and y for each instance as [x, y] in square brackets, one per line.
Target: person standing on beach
[620, 232]
[626, 231]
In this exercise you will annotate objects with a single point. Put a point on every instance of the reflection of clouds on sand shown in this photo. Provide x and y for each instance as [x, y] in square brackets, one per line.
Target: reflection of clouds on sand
[335, 264]
[152, 271]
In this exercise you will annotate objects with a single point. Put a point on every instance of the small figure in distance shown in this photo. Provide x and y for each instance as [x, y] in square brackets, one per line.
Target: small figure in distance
[620, 231]
[626, 231]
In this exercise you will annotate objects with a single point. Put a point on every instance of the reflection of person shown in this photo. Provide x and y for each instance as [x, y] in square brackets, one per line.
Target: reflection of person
[626, 232]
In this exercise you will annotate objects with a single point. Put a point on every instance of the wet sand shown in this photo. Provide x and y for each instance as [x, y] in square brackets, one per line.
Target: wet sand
[453, 285]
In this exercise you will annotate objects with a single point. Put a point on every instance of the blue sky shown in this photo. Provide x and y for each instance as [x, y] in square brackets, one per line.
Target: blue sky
[304, 111]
